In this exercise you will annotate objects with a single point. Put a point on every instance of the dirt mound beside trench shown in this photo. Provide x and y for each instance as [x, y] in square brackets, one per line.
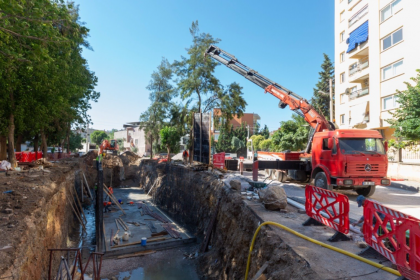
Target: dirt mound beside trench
[191, 197]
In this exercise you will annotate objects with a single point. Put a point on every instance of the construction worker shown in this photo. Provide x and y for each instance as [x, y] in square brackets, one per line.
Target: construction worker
[361, 200]
[185, 156]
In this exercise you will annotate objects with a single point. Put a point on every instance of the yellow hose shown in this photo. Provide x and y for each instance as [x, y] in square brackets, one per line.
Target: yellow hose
[387, 269]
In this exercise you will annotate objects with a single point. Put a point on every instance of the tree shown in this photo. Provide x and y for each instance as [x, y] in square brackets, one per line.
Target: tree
[237, 143]
[265, 132]
[406, 118]
[256, 139]
[75, 142]
[161, 93]
[293, 135]
[98, 136]
[111, 134]
[170, 139]
[224, 142]
[241, 132]
[319, 101]
[265, 145]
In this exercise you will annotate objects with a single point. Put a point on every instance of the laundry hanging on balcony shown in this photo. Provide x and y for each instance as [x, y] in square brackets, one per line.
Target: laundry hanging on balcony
[359, 114]
[358, 36]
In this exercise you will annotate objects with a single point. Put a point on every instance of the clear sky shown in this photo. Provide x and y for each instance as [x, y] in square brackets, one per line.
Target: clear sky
[283, 40]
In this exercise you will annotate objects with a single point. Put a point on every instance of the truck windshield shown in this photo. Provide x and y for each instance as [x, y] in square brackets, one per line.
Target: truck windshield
[361, 146]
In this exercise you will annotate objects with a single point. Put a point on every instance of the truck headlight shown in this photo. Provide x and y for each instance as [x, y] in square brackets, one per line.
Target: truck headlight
[348, 182]
[385, 182]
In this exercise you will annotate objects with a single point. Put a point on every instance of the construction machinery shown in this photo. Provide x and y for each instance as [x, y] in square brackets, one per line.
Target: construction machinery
[333, 158]
[109, 145]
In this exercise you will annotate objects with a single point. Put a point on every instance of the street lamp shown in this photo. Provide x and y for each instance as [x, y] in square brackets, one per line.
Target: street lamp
[331, 100]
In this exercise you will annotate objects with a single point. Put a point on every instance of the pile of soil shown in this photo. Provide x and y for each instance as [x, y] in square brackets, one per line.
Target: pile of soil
[21, 195]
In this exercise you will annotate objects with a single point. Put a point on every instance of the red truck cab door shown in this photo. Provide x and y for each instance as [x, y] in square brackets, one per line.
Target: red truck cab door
[328, 156]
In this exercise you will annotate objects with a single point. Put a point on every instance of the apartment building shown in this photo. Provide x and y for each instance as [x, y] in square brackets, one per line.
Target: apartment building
[134, 137]
[377, 49]
[250, 120]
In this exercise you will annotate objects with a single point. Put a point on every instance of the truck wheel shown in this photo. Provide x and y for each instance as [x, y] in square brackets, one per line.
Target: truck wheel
[369, 191]
[321, 181]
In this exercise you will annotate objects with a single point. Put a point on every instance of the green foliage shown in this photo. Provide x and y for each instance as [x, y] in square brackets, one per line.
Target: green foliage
[241, 132]
[265, 145]
[406, 118]
[224, 142]
[111, 134]
[293, 135]
[169, 138]
[134, 150]
[98, 136]
[121, 144]
[256, 140]
[161, 93]
[265, 132]
[237, 144]
[75, 141]
[321, 102]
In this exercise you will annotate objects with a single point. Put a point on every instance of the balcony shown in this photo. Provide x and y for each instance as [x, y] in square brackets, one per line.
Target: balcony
[358, 72]
[359, 15]
[358, 93]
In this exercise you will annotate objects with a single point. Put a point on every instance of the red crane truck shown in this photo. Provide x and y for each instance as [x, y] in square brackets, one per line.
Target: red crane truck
[333, 158]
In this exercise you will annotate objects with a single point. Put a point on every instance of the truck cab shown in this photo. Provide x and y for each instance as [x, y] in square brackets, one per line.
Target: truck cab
[349, 159]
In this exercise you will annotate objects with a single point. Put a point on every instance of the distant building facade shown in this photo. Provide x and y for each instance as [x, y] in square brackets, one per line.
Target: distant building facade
[134, 137]
[250, 120]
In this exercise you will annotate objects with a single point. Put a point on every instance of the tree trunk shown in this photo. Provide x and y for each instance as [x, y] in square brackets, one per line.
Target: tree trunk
[68, 139]
[11, 152]
[36, 142]
[19, 143]
[3, 147]
[169, 153]
[44, 144]
[151, 146]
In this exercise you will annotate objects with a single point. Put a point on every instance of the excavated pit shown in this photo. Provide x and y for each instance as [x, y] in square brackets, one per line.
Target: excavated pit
[191, 198]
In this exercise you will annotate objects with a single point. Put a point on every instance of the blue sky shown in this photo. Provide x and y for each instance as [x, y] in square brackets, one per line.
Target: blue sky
[283, 40]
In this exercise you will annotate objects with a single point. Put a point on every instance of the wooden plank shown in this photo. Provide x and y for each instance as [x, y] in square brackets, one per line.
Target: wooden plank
[87, 186]
[139, 242]
[113, 198]
[260, 272]
[209, 229]
[142, 253]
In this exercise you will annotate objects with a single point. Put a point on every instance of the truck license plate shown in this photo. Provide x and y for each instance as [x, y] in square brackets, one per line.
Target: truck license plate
[368, 183]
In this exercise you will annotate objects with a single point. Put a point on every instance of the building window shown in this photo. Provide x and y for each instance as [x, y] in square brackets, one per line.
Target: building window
[342, 36]
[342, 77]
[343, 98]
[392, 39]
[390, 9]
[392, 70]
[342, 118]
[341, 16]
[390, 102]
[342, 57]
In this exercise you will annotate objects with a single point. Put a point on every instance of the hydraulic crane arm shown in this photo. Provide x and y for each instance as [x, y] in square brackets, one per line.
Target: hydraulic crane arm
[287, 98]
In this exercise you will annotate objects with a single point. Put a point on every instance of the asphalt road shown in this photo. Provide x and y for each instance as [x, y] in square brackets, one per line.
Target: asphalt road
[405, 201]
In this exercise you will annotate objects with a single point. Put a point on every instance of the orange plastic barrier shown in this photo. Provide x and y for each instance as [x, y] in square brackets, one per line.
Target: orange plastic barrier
[335, 205]
[396, 237]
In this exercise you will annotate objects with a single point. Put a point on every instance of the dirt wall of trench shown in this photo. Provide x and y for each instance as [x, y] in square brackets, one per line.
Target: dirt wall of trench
[191, 197]
[41, 219]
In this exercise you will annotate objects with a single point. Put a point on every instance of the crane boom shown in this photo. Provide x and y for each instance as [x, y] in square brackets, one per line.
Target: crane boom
[287, 97]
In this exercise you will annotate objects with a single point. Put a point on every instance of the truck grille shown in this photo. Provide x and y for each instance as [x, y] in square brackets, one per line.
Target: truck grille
[360, 169]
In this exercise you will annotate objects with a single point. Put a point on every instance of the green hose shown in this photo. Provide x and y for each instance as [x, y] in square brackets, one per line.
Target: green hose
[377, 265]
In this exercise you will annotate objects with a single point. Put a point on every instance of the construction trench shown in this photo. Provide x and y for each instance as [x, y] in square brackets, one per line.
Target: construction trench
[197, 226]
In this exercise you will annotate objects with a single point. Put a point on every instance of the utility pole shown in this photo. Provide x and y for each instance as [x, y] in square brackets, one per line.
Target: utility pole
[87, 138]
[331, 103]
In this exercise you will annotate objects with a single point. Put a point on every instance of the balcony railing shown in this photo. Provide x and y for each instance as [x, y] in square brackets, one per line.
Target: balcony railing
[359, 15]
[358, 93]
[358, 66]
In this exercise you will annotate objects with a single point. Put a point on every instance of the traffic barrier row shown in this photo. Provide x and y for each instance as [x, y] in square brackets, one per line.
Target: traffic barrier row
[335, 205]
[393, 234]
[396, 236]
[28, 156]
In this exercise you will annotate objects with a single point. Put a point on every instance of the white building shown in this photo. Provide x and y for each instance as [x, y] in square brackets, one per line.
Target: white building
[377, 47]
[134, 137]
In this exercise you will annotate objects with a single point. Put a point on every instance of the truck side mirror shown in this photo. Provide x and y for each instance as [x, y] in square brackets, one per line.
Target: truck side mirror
[386, 146]
[330, 143]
